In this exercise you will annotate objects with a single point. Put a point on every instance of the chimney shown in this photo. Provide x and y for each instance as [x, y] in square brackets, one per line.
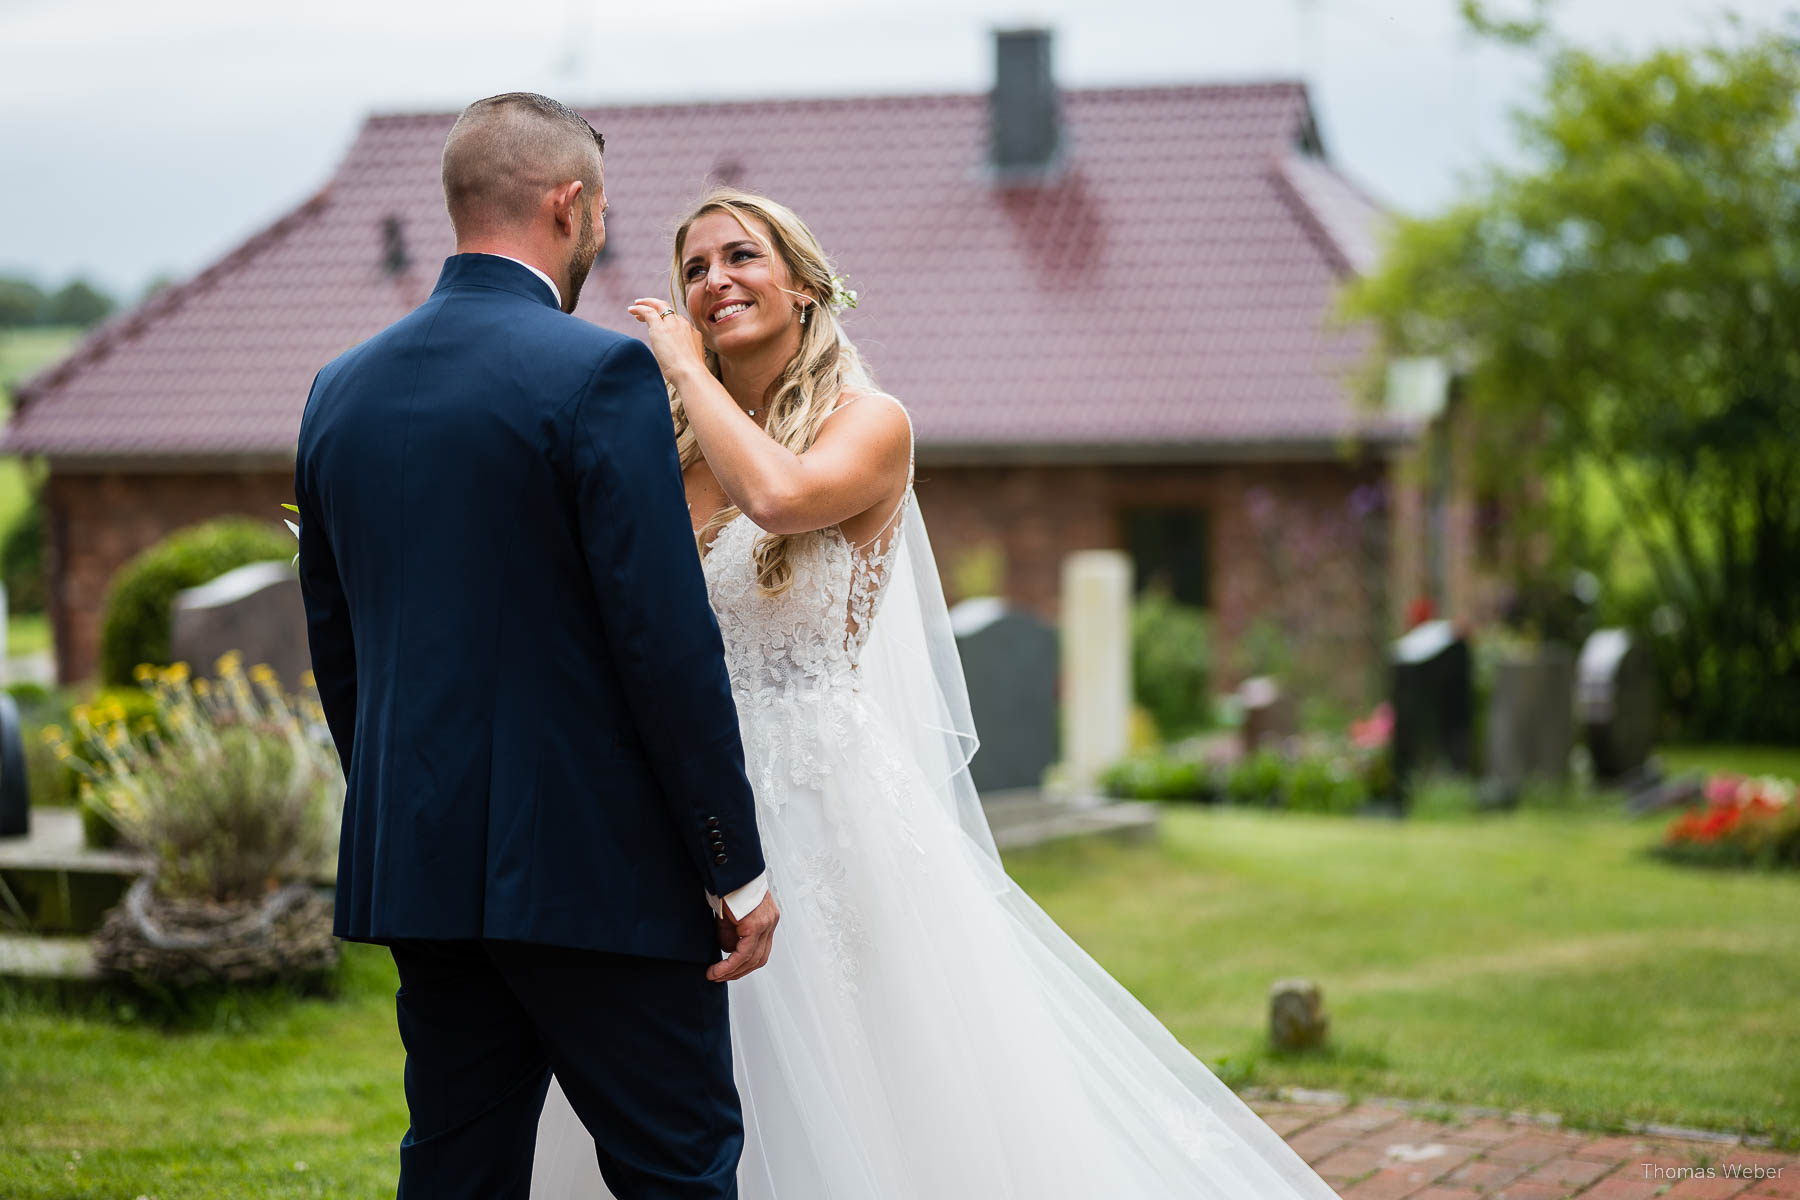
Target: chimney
[1027, 130]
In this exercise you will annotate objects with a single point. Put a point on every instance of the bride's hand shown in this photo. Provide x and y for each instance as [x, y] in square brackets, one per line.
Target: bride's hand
[674, 341]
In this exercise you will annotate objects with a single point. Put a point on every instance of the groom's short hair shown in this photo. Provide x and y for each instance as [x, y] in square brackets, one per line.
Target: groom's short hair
[504, 152]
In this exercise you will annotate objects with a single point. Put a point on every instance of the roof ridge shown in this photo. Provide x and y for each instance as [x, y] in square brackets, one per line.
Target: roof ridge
[135, 320]
[1273, 84]
[1318, 229]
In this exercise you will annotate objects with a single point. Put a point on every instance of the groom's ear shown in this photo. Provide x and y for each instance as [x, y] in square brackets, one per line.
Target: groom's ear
[564, 202]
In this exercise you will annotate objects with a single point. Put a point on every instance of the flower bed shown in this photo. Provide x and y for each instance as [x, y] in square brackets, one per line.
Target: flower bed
[1746, 821]
[231, 789]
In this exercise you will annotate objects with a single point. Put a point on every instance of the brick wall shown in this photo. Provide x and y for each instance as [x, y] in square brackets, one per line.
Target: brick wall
[95, 523]
[1286, 545]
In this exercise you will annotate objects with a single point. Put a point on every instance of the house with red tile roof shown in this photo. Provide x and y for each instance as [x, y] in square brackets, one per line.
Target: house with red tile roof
[1108, 311]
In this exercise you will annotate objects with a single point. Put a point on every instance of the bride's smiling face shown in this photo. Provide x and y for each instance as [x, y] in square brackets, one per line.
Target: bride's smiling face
[733, 285]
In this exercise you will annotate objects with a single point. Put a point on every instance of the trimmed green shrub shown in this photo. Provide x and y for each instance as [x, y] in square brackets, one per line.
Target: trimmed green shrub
[1171, 663]
[135, 628]
[1325, 784]
[1158, 777]
[1257, 779]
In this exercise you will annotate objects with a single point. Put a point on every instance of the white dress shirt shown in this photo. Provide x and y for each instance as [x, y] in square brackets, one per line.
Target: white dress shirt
[746, 898]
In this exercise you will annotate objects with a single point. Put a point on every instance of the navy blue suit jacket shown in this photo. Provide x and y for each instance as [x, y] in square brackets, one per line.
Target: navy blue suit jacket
[511, 634]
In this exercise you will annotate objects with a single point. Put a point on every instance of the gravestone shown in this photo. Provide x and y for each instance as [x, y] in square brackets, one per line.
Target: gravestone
[1433, 701]
[1616, 702]
[15, 795]
[1096, 662]
[255, 610]
[1531, 717]
[1268, 713]
[1297, 1017]
[1009, 660]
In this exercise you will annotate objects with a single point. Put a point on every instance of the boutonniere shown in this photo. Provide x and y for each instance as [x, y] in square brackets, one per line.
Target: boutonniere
[293, 528]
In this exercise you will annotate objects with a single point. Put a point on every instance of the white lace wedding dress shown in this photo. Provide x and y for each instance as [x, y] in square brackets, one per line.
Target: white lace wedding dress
[922, 1030]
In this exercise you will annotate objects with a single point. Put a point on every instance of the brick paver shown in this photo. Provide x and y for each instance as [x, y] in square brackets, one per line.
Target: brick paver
[1381, 1150]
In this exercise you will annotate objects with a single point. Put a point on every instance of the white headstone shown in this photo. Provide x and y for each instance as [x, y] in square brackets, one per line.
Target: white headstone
[1096, 662]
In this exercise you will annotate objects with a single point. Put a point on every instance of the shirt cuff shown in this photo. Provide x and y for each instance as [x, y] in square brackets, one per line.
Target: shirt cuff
[743, 901]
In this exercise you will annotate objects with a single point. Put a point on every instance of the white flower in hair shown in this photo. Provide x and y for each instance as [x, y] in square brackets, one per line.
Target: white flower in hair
[842, 295]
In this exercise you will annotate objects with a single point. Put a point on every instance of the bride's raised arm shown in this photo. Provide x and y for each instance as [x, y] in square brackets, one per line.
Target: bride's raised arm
[859, 460]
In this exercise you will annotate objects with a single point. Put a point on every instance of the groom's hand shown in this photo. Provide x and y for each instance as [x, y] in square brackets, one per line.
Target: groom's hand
[746, 939]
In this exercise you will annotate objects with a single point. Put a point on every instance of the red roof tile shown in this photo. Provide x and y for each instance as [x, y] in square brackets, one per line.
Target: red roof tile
[1168, 288]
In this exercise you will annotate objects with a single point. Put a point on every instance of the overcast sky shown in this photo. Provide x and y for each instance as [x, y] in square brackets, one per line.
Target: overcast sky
[148, 138]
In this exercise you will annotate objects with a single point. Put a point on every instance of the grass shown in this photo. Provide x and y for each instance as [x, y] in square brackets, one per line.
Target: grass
[1533, 961]
[27, 633]
[1743, 760]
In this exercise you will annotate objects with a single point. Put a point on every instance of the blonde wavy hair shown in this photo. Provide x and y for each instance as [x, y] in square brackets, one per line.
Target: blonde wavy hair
[808, 388]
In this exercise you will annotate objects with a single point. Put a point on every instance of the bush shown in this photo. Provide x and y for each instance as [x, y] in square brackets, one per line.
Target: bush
[1257, 779]
[1325, 784]
[135, 628]
[1171, 663]
[224, 783]
[1159, 777]
[1745, 822]
[22, 560]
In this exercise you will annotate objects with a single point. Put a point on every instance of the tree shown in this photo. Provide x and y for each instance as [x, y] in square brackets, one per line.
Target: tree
[21, 303]
[1627, 309]
[78, 303]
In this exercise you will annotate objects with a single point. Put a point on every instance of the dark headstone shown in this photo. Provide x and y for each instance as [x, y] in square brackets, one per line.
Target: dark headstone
[1268, 713]
[1531, 717]
[1297, 1018]
[1010, 662]
[15, 795]
[1433, 702]
[255, 610]
[1615, 701]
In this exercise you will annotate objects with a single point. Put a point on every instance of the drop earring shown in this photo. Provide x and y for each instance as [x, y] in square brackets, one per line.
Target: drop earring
[805, 310]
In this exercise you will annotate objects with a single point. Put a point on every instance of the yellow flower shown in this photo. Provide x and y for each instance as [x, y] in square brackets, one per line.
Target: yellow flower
[202, 688]
[307, 680]
[178, 672]
[143, 672]
[79, 713]
[52, 734]
[263, 673]
[228, 663]
[146, 725]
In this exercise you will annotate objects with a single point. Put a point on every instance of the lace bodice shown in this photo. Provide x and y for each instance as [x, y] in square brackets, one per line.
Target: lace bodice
[804, 642]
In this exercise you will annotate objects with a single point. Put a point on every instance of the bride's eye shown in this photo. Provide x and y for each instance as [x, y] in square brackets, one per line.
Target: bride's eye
[742, 253]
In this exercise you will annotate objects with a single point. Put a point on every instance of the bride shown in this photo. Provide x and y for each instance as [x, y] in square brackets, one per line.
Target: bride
[922, 1031]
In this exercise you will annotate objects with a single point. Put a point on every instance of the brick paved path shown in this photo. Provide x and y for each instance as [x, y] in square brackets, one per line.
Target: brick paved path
[1382, 1151]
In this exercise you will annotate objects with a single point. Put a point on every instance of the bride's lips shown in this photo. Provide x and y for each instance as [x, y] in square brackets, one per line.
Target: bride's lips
[713, 317]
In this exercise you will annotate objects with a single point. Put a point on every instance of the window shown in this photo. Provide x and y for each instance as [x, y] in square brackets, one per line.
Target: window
[1168, 548]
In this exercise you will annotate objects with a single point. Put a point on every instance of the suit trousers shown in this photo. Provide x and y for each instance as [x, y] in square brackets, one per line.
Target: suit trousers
[641, 1046]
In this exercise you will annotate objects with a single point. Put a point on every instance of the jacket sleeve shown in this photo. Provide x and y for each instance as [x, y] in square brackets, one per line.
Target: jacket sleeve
[659, 625]
[328, 632]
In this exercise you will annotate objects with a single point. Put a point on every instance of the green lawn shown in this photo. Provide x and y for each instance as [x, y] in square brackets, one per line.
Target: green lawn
[1533, 961]
[1742, 760]
[27, 633]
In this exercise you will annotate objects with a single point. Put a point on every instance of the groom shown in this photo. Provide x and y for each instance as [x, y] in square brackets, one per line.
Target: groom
[512, 641]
